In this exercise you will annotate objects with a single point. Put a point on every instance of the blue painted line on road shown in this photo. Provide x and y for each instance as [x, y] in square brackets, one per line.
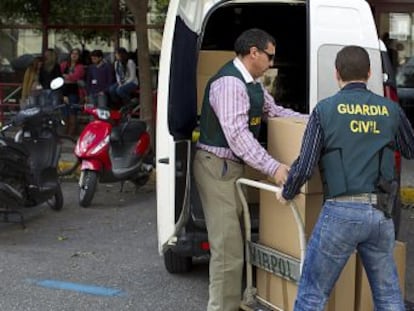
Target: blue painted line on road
[77, 287]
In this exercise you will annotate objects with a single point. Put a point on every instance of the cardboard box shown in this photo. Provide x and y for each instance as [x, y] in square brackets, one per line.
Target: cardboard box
[278, 227]
[284, 140]
[282, 293]
[209, 62]
[363, 296]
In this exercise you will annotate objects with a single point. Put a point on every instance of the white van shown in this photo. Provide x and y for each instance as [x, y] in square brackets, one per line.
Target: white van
[198, 38]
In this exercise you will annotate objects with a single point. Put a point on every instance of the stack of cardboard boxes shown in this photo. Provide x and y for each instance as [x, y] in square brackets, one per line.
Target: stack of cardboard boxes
[278, 230]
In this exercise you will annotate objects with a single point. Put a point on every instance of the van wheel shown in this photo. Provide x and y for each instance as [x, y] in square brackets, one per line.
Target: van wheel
[174, 263]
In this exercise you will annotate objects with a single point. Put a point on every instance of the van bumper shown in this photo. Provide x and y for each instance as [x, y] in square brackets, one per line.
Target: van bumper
[193, 244]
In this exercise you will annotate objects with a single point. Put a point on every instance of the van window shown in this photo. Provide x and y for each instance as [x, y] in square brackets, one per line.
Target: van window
[328, 86]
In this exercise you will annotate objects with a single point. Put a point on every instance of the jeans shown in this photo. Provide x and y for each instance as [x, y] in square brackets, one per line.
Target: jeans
[70, 108]
[46, 98]
[122, 92]
[98, 100]
[341, 228]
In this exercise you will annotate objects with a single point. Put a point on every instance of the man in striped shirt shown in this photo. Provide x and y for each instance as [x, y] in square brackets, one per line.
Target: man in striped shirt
[233, 106]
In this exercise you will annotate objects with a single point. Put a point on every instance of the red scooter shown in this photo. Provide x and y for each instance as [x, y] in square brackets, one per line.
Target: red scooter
[112, 147]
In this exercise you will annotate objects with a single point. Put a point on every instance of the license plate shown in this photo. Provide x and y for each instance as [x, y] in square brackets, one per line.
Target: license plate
[273, 261]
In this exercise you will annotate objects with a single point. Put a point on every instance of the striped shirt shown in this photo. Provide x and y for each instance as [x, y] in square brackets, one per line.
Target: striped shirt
[231, 104]
[312, 144]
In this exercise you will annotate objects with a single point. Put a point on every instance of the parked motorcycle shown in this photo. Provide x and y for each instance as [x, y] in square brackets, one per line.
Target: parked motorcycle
[29, 158]
[112, 147]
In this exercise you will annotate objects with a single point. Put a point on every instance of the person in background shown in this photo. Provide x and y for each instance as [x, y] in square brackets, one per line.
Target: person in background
[391, 49]
[357, 165]
[73, 72]
[50, 70]
[126, 77]
[31, 87]
[99, 78]
[233, 107]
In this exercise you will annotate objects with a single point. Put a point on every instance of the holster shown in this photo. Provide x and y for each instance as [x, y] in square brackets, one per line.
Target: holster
[387, 192]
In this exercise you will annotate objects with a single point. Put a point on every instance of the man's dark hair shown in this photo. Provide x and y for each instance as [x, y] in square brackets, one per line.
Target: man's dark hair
[352, 63]
[97, 53]
[250, 38]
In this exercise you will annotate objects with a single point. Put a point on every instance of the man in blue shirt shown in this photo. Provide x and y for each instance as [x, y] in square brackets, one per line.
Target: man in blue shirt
[99, 78]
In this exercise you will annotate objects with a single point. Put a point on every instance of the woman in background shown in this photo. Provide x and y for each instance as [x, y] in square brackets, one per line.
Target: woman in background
[126, 77]
[31, 87]
[73, 72]
[49, 71]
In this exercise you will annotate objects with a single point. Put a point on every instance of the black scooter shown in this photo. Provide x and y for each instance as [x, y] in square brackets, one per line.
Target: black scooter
[28, 161]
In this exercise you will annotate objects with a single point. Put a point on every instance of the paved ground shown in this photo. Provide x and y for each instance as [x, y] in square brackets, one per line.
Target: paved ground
[93, 246]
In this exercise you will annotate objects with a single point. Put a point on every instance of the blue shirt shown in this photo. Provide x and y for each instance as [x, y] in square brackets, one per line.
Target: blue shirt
[99, 78]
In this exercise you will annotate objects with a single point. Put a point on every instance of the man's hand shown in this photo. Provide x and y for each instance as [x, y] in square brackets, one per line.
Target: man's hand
[280, 198]
[281, 175]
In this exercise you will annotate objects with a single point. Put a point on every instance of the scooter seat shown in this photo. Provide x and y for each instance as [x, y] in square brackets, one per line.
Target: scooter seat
[128, 132]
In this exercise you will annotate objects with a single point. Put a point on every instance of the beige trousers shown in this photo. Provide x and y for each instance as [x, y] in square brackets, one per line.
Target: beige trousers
[215, 179]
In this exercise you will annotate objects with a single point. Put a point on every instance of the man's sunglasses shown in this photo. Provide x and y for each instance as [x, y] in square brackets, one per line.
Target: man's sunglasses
[271, 57]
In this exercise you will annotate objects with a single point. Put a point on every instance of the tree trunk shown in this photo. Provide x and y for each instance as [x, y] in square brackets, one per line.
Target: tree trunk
[139, 9]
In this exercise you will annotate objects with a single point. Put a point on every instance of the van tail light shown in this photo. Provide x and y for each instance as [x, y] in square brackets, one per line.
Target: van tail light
[143, 144]
[391, 93]
[397, 157]
[205, 246]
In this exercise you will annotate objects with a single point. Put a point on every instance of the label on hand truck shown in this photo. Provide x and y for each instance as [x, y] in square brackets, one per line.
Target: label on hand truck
[273, 261]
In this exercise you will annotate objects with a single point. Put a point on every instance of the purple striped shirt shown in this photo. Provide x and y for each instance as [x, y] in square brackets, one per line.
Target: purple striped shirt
[231, 104]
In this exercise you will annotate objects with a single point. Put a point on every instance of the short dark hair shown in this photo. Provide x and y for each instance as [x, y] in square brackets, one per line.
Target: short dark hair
[121, 51]
[250, 38]
[97, 53]
[352, 63]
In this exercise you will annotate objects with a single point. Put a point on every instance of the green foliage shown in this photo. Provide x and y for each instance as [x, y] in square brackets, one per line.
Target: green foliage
[75, 12]
[68, 12]
[20, 11]
[160, 7]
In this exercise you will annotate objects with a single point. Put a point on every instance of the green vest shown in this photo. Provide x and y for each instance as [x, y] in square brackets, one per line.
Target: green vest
[359, 129]
[211, 132]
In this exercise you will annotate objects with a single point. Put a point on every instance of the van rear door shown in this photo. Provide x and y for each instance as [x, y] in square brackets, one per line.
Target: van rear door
[332, 25]
[176, 111]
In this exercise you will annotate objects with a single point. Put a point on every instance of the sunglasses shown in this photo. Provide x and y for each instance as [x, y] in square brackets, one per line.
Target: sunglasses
[271, 57]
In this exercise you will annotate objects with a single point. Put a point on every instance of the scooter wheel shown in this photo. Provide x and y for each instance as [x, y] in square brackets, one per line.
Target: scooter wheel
[57, 200]
[87, 187]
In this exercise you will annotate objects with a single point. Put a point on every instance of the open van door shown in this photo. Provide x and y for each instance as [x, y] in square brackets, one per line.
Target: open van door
[334, 24]
[165, 148]
[176, 114]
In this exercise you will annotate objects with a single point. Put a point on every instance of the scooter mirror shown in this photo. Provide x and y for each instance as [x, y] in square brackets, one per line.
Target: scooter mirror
[56, 83]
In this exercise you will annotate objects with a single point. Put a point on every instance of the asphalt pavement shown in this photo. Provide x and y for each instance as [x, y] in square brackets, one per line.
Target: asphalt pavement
[105, 257]
[101, 258]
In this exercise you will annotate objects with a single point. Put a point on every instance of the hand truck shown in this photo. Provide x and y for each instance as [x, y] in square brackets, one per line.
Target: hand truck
[289, 268]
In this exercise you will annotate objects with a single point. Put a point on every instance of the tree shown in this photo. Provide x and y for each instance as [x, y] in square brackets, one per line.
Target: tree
[139, 9]
[80, 12]
[59, 12]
